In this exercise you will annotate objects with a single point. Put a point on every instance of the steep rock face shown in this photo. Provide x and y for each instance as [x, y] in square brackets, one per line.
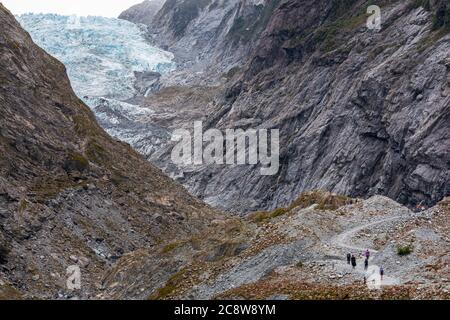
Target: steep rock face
[361, 112]
[142, 12]
[69, 193]
[208, 37]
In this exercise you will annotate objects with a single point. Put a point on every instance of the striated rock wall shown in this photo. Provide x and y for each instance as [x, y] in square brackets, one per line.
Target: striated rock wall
[361, 112]
[143, 12]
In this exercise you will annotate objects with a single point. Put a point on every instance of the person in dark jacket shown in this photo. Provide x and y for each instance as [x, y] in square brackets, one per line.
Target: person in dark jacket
[349, 257]
[353, 261]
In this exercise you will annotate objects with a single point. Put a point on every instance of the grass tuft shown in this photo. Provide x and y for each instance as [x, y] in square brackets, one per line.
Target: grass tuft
[404, 251]
[170, 247]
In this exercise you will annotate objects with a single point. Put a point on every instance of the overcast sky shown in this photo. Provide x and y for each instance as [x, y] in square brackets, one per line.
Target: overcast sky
[106, 8]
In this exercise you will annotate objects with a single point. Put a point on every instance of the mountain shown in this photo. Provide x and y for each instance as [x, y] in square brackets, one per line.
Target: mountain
[360, 112]
[143, 12]
[208, 37]
[69, 193]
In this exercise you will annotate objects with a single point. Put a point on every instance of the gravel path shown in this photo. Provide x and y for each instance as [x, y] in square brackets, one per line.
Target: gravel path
[372, 274]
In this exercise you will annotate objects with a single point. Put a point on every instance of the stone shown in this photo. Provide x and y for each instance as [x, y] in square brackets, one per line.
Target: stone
[84, 262]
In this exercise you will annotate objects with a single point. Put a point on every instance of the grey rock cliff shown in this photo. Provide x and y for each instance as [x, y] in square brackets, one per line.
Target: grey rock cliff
[360, 112]
[143, 12]
[208, 37]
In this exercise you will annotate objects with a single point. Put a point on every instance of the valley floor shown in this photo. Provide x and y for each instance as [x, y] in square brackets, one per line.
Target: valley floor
[300, 253]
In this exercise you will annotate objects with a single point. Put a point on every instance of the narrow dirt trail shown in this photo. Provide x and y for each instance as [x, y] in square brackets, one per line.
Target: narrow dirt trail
[342, 239]
[372, 274]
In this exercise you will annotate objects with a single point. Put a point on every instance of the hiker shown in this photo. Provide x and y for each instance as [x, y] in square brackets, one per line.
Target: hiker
[381, 273]
[366, 264]
[353, 258]
[367, 254]
[349, 256]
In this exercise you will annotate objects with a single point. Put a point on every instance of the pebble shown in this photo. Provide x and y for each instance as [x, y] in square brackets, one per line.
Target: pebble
[84, 262]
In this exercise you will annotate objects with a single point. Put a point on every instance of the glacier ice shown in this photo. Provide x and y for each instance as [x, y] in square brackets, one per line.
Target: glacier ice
[102, 57]
[100, 54]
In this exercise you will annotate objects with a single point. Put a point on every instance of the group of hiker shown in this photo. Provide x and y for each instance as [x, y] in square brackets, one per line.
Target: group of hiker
[351, 260]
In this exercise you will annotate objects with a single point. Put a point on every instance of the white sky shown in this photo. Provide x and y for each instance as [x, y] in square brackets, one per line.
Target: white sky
[106, 8]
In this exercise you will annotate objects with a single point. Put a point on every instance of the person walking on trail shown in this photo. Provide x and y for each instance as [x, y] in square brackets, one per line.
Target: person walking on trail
[353, 261]
[366, 264]
[367, 254]
[381, 273]
[349, 257]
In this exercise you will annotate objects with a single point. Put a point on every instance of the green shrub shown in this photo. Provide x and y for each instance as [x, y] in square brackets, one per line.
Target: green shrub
[263, 216]
[278, 212]
[323, 200]
[170, 286]
[259, 217]
[76, 162]
[404, 251]
[170, 247]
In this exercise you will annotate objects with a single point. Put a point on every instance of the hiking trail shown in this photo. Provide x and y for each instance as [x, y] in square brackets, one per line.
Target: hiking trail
[372, 274]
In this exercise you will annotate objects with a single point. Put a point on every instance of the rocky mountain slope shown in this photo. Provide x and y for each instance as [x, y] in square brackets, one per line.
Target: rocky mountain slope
[208, 37]
[361, 112]
[72, 195]
[69, 193]
[299, 252]
[143, 12]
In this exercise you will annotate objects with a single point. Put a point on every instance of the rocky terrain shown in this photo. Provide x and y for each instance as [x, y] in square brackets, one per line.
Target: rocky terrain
[361, 112]
[143, 12]
[69, 193]
[299, 252]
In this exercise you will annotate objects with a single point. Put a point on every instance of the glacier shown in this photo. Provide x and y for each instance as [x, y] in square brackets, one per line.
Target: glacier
[101, 54]
[104, 58]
